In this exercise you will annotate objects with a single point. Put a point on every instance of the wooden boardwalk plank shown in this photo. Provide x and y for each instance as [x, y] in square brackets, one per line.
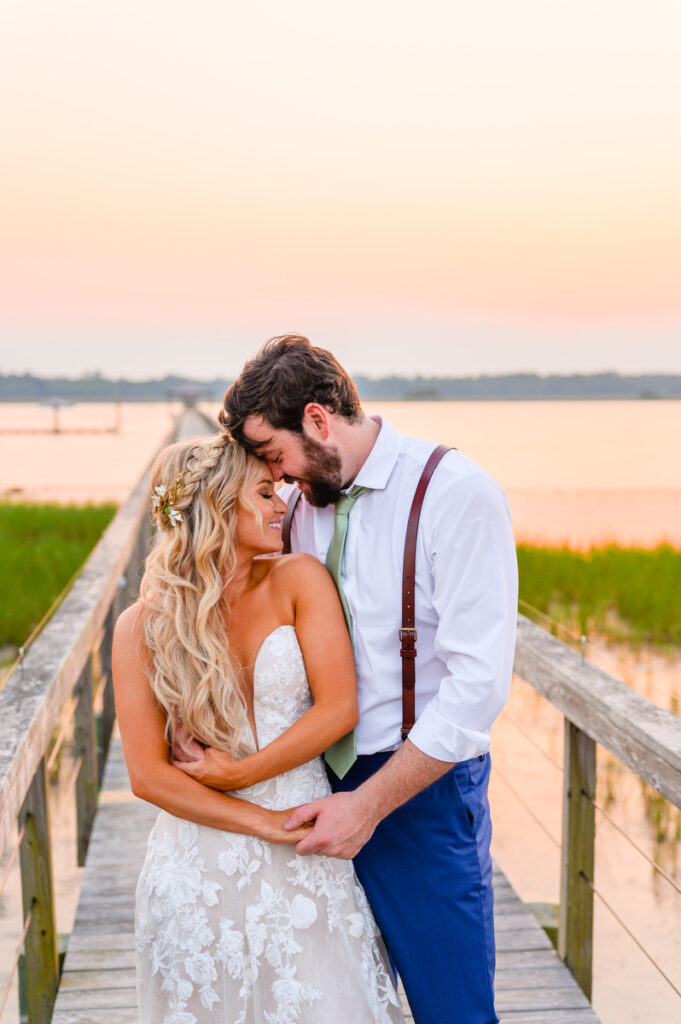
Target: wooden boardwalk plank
[113, 1015]
[98, 983]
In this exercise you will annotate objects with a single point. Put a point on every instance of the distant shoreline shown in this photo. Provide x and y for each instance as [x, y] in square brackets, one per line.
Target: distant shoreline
[524, 398]
[514, 387]
[159, 400]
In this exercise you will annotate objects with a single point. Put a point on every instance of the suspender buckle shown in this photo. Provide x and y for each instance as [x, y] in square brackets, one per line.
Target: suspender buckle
[408, 638]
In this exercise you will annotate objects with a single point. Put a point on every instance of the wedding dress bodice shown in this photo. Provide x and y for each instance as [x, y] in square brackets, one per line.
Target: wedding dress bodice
[281, 694]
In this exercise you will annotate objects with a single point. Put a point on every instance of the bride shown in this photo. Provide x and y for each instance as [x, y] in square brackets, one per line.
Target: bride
[235, 671]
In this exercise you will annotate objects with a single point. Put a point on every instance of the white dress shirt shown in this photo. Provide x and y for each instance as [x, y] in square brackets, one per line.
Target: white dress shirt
[466, 596]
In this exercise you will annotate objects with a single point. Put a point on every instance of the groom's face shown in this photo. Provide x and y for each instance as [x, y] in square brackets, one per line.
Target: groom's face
[298, 458]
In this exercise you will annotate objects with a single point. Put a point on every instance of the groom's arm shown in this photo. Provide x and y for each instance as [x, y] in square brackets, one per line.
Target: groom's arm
[344, 822]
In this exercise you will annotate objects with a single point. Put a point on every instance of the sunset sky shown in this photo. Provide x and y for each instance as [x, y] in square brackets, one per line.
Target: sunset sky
[437, 187]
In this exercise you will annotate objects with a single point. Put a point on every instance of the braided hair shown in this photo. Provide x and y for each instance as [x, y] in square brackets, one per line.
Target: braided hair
[182, 592]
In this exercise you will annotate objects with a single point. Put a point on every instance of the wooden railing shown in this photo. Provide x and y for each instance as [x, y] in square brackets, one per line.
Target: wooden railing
[596, 709]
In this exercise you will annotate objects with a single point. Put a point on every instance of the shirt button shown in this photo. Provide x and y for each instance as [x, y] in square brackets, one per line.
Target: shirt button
[354, 514]
[350, 571]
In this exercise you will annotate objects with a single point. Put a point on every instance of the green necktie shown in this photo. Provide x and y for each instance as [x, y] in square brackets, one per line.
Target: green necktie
[343, 753]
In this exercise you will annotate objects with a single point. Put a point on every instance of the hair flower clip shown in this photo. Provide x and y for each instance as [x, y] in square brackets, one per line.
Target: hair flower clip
[162, 504]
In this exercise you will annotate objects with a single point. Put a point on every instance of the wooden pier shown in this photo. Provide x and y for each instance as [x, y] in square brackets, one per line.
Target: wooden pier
[65, 676]
[98, 982]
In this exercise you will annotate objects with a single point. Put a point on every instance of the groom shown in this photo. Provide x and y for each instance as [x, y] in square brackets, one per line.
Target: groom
[413, 815]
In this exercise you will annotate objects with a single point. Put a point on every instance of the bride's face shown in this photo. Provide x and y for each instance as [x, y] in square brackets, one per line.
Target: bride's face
[260, 532]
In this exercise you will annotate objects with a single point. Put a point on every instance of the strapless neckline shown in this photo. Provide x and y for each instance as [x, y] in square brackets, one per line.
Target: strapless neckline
[254, 731]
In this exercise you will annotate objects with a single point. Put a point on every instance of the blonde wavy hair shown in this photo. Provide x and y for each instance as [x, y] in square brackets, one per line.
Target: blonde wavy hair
[194, 678]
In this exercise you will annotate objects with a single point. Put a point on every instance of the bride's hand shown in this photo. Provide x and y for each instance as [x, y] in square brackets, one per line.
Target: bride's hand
[274, 832]
[215, 769]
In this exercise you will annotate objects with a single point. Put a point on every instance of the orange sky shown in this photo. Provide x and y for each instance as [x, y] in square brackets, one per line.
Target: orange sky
[391, 179]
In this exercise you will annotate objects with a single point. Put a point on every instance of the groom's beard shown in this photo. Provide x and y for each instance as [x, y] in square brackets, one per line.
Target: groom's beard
[322, 473]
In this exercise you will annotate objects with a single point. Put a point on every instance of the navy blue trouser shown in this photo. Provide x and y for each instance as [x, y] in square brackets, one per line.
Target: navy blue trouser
[427, 873]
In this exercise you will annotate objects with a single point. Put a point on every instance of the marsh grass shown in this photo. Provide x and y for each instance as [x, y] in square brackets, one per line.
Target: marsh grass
[625, 594]
[41, 548]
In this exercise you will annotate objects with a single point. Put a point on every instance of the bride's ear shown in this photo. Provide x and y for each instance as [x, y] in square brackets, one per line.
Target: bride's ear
[317, 421]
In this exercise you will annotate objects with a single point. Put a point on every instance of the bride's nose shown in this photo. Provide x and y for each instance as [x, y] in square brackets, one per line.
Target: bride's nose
[280, 505]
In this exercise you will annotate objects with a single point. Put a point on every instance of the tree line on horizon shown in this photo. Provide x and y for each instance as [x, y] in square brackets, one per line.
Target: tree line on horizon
[95, 387]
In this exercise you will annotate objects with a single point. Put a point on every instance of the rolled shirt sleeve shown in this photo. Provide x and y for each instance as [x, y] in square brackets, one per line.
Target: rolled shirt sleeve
[467, 533]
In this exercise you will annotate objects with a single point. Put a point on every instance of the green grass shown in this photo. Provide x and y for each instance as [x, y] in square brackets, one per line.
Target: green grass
[627, 594]
[41, 548]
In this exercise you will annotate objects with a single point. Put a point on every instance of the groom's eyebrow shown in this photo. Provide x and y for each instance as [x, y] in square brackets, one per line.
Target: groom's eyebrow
[259, 448]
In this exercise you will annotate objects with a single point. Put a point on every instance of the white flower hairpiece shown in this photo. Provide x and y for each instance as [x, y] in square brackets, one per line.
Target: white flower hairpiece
[162, 502]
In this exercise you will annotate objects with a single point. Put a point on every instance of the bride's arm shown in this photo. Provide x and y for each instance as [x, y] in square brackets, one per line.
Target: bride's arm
[152, 777]
[329, 663]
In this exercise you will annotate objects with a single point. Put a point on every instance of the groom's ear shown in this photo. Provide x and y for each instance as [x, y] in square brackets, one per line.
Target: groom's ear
[317, 421]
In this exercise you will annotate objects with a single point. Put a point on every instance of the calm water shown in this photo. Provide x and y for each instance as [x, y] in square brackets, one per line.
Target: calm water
[581, 472]
[98, 466]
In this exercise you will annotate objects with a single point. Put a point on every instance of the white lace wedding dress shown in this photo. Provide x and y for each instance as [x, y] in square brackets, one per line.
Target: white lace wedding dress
[235, 930]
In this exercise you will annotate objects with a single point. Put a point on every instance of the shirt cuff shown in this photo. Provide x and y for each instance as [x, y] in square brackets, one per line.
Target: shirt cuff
[443, 740]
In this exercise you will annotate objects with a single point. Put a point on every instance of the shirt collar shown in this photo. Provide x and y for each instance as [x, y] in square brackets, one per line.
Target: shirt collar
[381, 460]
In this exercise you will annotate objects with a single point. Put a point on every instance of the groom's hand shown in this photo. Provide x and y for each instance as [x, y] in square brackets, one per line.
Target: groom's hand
[343, 823]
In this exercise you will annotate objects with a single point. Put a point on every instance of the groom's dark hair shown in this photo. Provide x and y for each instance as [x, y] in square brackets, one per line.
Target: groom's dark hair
[286, 374]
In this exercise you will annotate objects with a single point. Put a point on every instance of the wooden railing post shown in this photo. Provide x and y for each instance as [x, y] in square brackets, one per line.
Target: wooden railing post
[85, 749]
[147, 534]
[135, 567]
[130, 593]
[108, 712]
[575, 928]
[40, 944]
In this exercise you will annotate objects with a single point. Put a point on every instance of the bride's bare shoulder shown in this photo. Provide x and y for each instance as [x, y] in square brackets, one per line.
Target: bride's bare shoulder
[129, 642]
[296, 571]
[130, 624]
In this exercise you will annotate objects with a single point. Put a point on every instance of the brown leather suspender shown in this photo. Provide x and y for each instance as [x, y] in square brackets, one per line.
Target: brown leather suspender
[407, 632]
